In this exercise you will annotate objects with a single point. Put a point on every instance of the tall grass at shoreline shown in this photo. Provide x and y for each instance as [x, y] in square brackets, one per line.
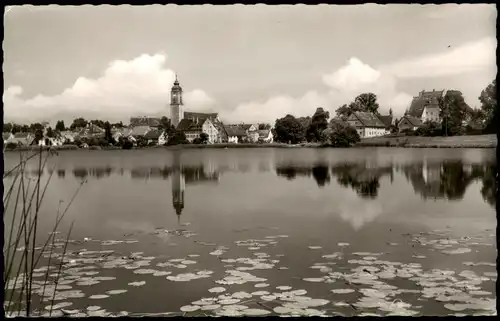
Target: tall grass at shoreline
[22, 253]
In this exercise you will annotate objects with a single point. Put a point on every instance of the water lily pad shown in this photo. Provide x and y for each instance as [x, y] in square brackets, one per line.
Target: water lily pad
[342, 291]
[314, 247]
[137, 283]
[98, 296]
[260, 293]
[210, 307]
[229, 301]
[255, 312]
[190, 308]
[93, 308]
[114, 292]
[283, 287]
[217, 290]
[314, 279]
[461, 250]
[58, 306]
[261, 285]
[268, 297]
[162, 273]
[187, 262]
[241, 295]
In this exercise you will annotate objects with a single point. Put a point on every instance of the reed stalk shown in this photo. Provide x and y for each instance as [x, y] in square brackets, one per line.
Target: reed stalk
[20, 263]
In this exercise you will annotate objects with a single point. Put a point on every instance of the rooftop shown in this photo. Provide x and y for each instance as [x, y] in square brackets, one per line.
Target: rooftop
[368, 119]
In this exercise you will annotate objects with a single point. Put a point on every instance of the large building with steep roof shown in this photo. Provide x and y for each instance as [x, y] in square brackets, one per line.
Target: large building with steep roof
[367, 124]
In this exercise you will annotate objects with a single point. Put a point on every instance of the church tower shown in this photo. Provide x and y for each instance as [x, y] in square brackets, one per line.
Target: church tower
[176, 109]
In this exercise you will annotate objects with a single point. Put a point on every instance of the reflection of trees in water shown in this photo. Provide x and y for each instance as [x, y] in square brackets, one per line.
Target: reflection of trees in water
[361, 178]
[321, 174]
[97, 172]
[450, 179]
[365, 181]
[292, 171]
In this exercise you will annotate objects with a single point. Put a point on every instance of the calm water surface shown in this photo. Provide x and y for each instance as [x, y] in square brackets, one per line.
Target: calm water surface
[393, 230]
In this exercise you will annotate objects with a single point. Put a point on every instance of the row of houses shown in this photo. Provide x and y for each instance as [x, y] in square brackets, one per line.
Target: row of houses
[149, 130]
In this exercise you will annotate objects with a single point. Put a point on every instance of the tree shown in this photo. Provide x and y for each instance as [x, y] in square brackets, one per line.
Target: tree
[98, 123]
[488, 99]
[78, 123]
[367, 102]
[36, 127]
[453, 111]
[7, 128]
[60, 126]
[319, 122]
[177, 138]
[340, 135]
[289, 130]
[165, 123]
[50, 132]
[390, 111]
[264, 126]
[203, 138]
[108, 136]
[38, 136]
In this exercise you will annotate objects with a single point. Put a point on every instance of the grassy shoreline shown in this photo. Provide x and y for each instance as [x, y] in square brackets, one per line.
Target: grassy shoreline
[478, 141]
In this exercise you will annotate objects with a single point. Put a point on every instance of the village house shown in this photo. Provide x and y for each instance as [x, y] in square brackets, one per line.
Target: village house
[431, 114]
[194, 127]
[157, 137]
[366, 124]
[91, 131]
[409, 123]
[137, 133]
[213, 127]
[20, 139]
[252, 132]
[387, 120]
[266, 136]
[235, 134]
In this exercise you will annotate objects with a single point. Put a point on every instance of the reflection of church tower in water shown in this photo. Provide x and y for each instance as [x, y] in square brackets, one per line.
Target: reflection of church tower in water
[178, 186]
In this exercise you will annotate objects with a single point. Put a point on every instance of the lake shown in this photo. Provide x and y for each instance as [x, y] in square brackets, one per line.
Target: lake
[371, 231]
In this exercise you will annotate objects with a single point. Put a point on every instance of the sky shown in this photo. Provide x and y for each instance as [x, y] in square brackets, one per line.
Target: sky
[248, 63]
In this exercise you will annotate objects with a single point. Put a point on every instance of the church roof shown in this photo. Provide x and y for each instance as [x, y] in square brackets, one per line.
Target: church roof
[145, 121]
[188, 125]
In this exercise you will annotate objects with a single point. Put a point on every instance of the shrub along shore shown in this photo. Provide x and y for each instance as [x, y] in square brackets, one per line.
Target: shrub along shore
[479, 141]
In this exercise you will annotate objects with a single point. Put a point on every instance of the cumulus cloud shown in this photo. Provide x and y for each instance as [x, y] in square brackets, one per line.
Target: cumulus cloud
[140, 86]
[342, 85]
